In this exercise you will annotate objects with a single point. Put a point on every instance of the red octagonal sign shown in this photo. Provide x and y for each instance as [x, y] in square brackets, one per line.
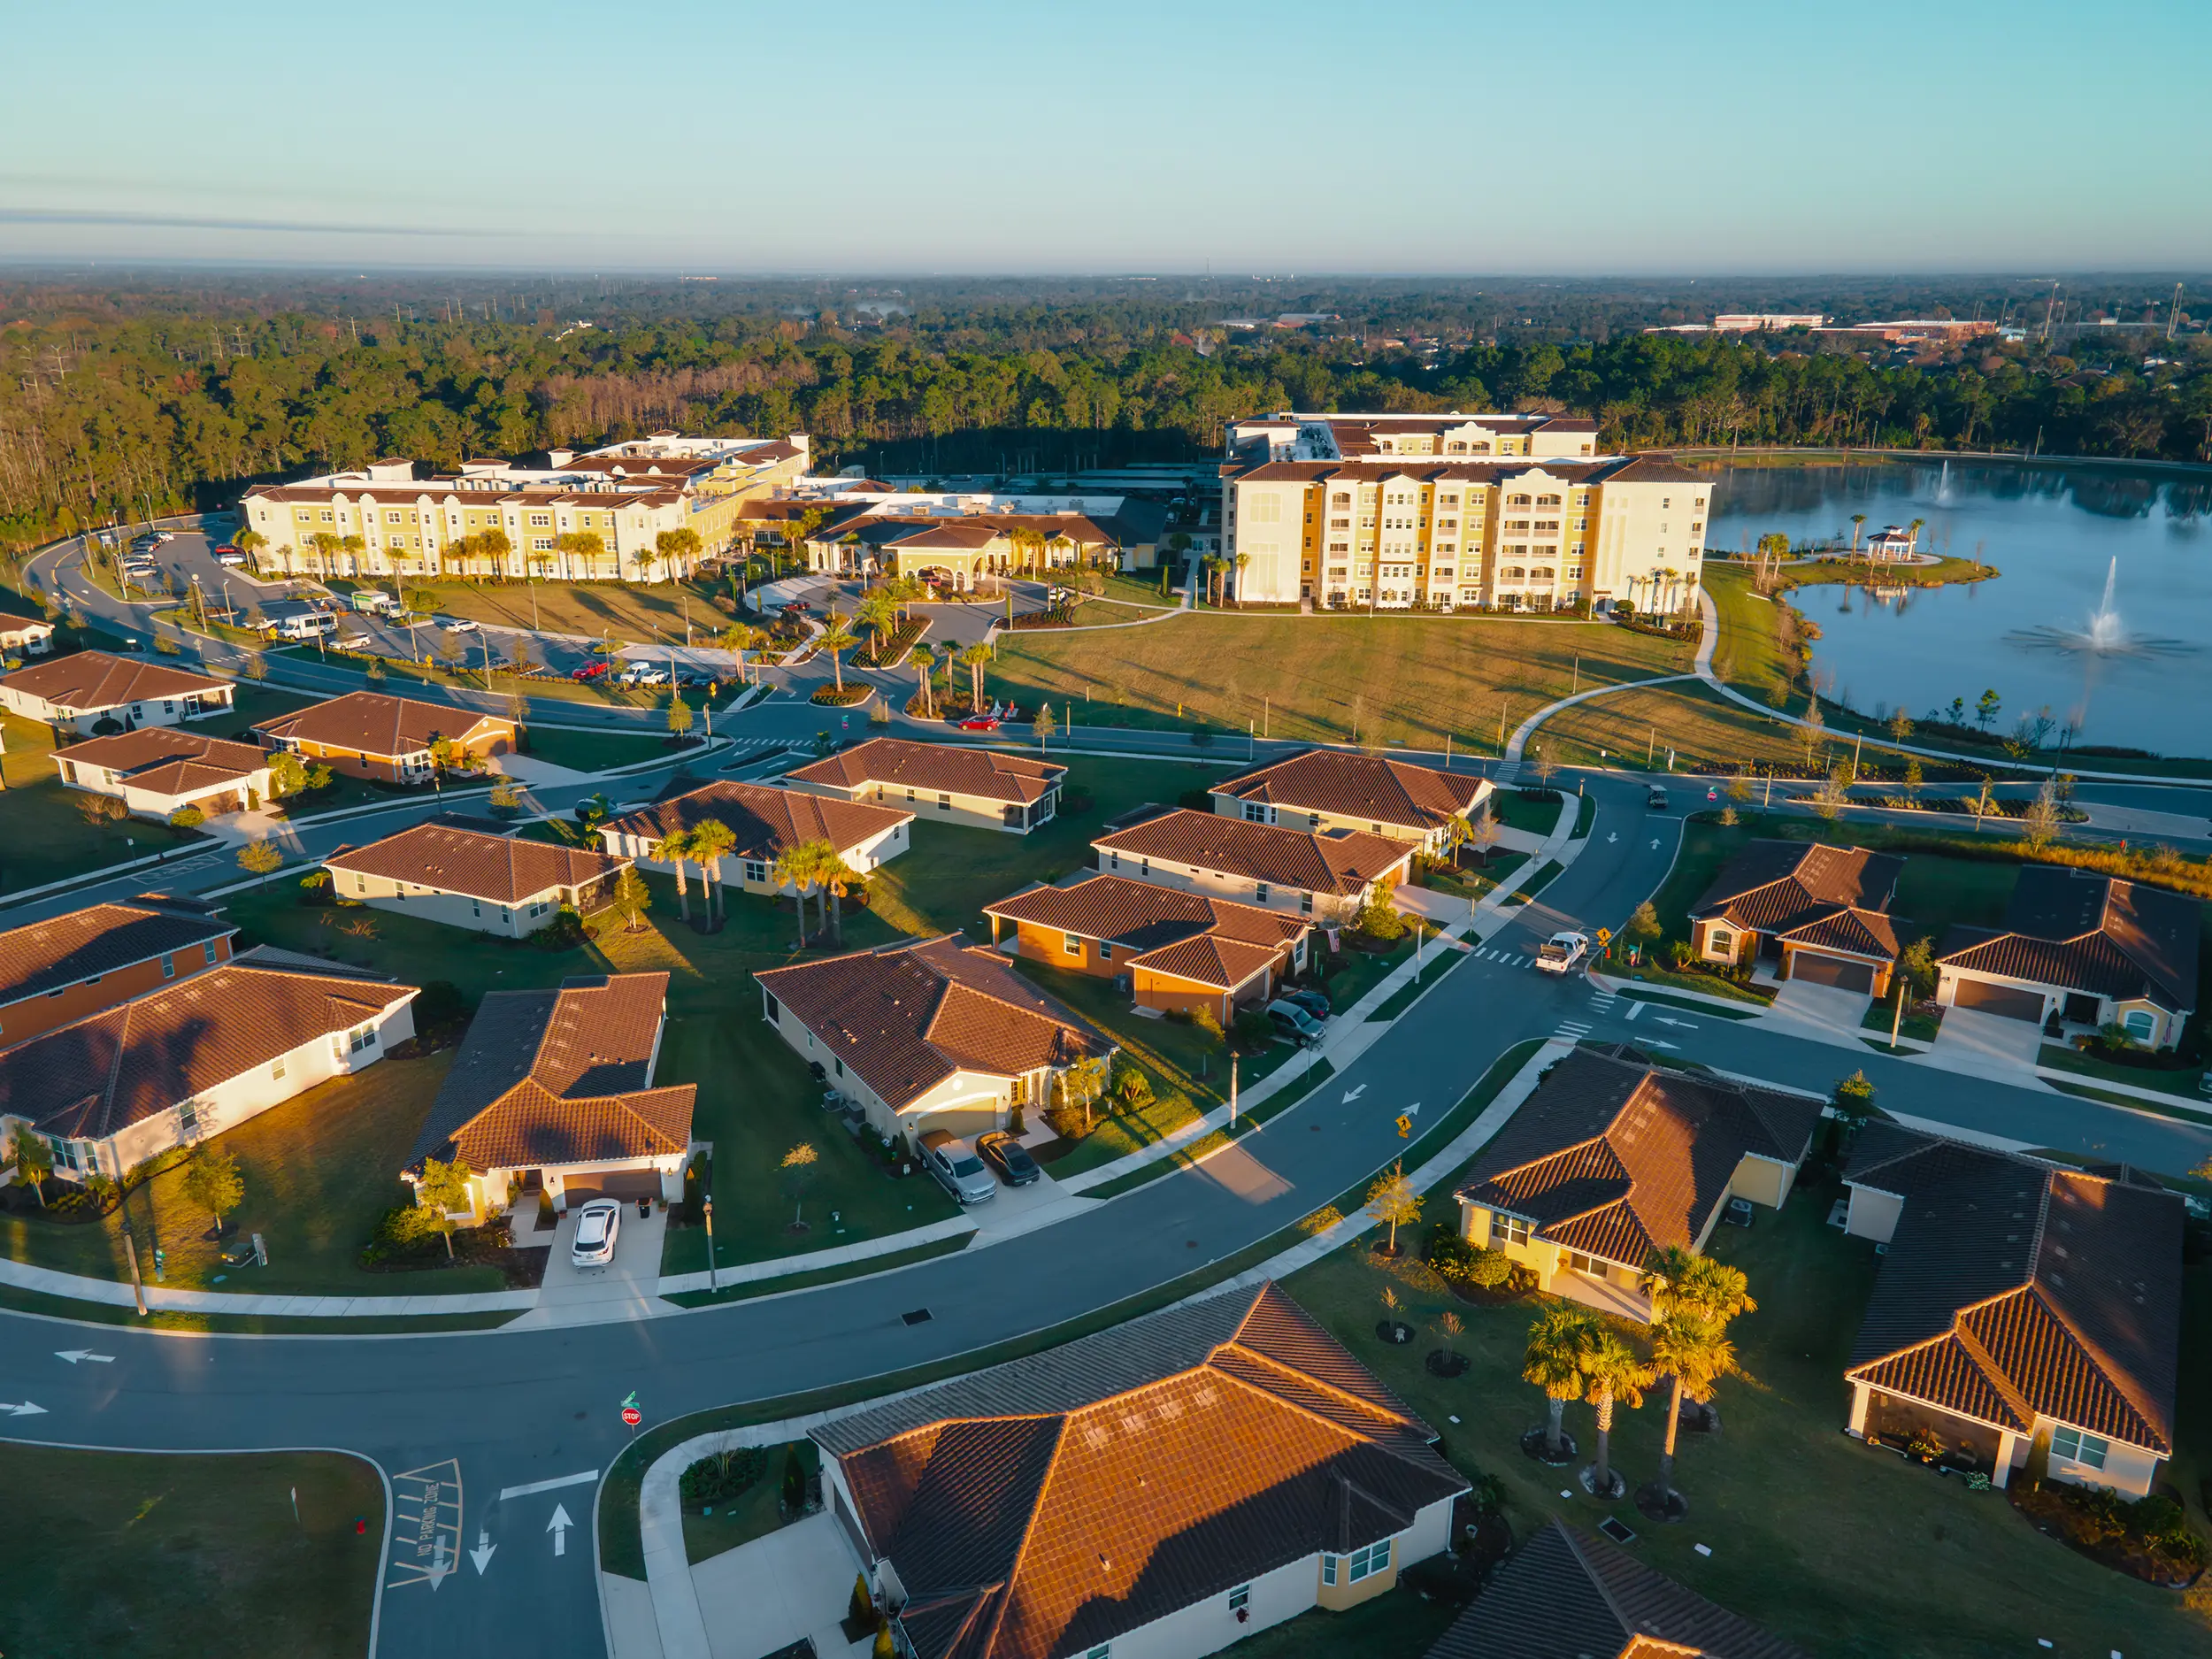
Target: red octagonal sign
[632, 1416]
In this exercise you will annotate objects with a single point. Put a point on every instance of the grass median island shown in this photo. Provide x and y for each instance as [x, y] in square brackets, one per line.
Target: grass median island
[1411, 679]
[633, 611]
[182, 1558]
[1848, 1551]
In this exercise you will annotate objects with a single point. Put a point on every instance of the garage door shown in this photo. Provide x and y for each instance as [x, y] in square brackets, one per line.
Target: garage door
[978, 1119]
[2011, 1002]
[1836, 971]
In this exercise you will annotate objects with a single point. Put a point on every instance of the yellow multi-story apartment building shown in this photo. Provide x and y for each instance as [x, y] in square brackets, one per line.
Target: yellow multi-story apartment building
[1502, 512]
[383, 521]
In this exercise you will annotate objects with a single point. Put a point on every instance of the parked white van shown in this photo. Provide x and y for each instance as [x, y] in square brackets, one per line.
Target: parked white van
[314, 624]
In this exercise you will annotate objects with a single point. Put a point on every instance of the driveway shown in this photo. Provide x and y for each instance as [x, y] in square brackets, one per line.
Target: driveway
[1988, 1044]
[764, 1596]
[1824, 1013]
[572, 1294]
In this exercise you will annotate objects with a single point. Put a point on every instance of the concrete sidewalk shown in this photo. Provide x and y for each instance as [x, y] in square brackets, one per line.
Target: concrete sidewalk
[75, 1287]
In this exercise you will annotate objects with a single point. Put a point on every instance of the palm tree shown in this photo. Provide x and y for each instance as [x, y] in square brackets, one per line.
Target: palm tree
[585, 545]
[838, 878]
[1027, 541]
[973, 658]
[1857, 520]
[1695, 1354]
[797, 868]
[835, 638]
[1552, 1361]
[925, 661]
[353, 547]
[1612, 1375]
[1681, 1281]
[1237, 564]
[709, 843]
[879, 611]
[674, 846]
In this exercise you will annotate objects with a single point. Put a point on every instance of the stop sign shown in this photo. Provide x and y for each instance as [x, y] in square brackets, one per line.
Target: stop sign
[632, 1416]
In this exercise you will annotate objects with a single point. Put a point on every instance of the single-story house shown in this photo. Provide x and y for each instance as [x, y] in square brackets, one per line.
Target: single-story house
[78, 692]
[1328, 788]
[1179, 949]
[56, 972]
[1810, 911]
[1614, 1159]
[1325, 874]
[552, 1090]
[1156, 1491]
[157, 771]
[943, 782]
[2022, 1306]
[767, 822]
[962, 548]
[2091, 949]
[1565, 1592]
[25, 636]
[464, 878]
[200, 1056]
[928, 1033]
[373, 735]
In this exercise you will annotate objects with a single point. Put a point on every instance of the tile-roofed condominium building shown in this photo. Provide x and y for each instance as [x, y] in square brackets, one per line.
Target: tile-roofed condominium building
[1498, 512]
[553, 1091]
[88, 691]
[58, 971]
[1325, 875]
[1329, 788]
[1567, 1595]
[493, 884]
[767, 822]
[2088, 950]
[372, 734]
[1613, 1159]
[959, 545]
[157, 771]
[927, 1034]
[1156, 1491]
[627, 496]
[1803, 911]
[1179, 950]
[985, 789]
[2021, 1304]
[194, 1058]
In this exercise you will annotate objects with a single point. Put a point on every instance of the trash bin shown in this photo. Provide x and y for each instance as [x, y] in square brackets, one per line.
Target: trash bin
[644, 1207]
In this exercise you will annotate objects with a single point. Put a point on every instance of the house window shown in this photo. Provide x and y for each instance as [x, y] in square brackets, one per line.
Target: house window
[361, 885]
[775, 1012]
[2141, 1022]
[1721, 942]
[944, 804]
[1507, 1230]
[755, 870]
[1259, 892]
[1254, 812]
[1105, 950]
[1072, 943]
[1361, 1563]
[209, 950]
[169, 966]
[839, 1064]
[1305, 904]
[188, 1116]
[1241, 1598]
[1589, 1266]
[361, 1037]
[1105, 1650]
[2076, 1448]
[276, 1068]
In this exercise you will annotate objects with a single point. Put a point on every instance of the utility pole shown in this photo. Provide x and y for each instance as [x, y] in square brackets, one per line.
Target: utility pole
[2173, 318]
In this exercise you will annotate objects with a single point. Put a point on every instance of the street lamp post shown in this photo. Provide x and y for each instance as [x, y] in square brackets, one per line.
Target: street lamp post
[706, 1206]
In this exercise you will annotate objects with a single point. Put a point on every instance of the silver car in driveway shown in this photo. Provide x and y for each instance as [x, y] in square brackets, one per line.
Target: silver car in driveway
[598, 1224]
[959, 1169]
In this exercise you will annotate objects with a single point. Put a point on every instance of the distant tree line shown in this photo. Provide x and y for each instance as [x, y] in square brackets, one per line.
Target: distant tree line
[110, 417]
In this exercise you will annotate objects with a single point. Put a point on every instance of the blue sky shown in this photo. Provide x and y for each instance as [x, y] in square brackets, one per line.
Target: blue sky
[965, 136]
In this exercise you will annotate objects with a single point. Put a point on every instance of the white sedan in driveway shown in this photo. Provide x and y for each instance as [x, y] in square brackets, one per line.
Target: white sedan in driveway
[597, 1224]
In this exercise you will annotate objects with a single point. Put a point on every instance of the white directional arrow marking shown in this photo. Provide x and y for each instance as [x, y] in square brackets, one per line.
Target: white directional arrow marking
[1614, 837]
[558, 1526]
[1654, 843]
[1654, 1042]
[1411, 1109]
[72, 1355]
[482, 1554]
[1683, 1025]
[1351, 1095]
[27, 1410]
[439, 1565]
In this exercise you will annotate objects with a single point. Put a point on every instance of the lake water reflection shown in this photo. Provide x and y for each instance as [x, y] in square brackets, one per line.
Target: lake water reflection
[2054, 533]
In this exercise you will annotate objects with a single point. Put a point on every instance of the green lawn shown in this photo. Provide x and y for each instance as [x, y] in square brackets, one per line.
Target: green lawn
[318, 1171]
[1393, 680]
[1401, 1623]
[593, 751]
[1845, 1550]
[2181, 1083]
[1516, 811]
[182, 1557]
[629, 611]
[44, 836]
[754, 1513]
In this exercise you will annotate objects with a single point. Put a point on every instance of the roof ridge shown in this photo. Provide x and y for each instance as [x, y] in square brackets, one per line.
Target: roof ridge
[1029, 1531]
[2117, 1376]
[1320, 1384]
[1596, 1579]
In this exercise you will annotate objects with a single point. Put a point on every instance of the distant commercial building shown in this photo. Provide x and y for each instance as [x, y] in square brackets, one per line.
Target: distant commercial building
[957, 538]
[383, 521]
[1501, 512]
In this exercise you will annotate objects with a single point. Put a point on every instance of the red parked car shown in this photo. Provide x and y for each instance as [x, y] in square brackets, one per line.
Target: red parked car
[593, 669]
[978, 723]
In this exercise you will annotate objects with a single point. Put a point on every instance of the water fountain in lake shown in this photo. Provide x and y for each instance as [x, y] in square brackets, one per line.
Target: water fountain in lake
[2103, 633]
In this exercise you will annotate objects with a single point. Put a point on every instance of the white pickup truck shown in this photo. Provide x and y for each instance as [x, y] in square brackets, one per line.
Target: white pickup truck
[1563, 953]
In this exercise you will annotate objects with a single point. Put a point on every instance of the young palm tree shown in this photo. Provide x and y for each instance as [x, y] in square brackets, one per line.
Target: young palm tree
[1696, 1354]
[710, 843]
[674, 845]
[925, 661]
[838, 878]
[835, 638]
[797, 868]
[1552, 1361]
[1612, 1375]
[973, 658]
[880, 613]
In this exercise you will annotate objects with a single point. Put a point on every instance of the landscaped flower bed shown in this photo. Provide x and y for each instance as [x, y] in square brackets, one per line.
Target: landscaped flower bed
[2149, 1540]
[842, 697]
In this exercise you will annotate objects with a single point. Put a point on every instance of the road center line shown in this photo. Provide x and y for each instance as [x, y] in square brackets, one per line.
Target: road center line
[585, 1478]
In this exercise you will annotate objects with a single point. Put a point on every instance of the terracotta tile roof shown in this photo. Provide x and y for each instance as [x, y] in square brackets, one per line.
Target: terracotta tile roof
[1146, 916]
[168, 760]
[42, 956]
[371, 723]
[1045, 1506]
[905, 1016]
[1566, 1595]
[2014, 1289]
[113, 1068]
[767, 822]
[1793, 888]
[2085, 931]
[1393, 792]
[501, 869]
[1618, 1157]
[560, 1077]
[1859, 933]
[990, 774]
[87, 681]
[1336, 861]
[1223, 965]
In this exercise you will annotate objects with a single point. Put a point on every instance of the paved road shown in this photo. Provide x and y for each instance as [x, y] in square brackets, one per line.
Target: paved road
[502, 1411]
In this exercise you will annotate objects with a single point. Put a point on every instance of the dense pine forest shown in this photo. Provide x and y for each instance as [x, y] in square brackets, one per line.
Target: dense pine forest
[116, 407]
